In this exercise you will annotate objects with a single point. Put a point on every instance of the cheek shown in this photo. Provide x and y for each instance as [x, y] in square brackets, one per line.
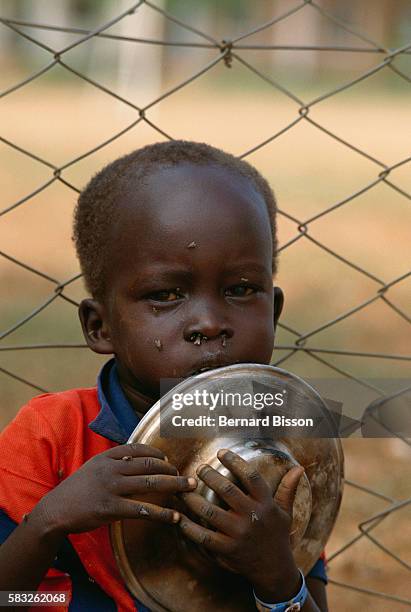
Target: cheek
[254, 332]
[261, 343]
[128, 332]
[142, 338]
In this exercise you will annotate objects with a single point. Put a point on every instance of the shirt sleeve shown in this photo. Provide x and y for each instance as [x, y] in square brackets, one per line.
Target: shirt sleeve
[28, 470]
[29, 462]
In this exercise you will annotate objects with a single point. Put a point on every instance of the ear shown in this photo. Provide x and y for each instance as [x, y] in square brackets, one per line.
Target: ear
[278, 305]
[93, 322]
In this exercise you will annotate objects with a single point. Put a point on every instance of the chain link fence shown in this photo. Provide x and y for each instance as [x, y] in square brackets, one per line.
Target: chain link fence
[232, 54]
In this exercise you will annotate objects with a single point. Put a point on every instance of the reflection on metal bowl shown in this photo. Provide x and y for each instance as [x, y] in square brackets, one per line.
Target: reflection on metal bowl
[167, 572]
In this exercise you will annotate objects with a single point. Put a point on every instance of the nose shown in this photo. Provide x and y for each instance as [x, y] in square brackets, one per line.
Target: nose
[209, 322]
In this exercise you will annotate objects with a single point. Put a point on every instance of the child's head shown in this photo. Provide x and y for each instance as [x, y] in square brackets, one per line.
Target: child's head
[177, 243]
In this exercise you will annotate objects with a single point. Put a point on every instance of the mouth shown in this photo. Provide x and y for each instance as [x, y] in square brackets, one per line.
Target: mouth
[206, 368]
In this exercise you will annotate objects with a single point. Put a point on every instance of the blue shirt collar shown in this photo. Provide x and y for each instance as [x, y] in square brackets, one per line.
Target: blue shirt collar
[116, 419]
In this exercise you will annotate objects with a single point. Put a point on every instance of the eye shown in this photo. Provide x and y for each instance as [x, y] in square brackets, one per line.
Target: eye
[169, 295]
[240, 291]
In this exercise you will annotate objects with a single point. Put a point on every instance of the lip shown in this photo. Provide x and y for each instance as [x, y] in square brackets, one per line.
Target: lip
[207, 365]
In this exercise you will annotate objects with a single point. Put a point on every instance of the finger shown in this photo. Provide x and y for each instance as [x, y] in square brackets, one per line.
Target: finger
[287, 488]
[249, 477]
[212, 541]
[151, 512]
[216, 517]
[224, 488]
[146, 465]
[134, 450]
[133, 485]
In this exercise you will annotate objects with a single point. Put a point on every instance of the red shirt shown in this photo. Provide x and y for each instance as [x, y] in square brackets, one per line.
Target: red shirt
[48, 441]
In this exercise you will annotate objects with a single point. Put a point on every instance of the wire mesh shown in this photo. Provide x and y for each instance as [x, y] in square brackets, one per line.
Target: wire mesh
[231, 54]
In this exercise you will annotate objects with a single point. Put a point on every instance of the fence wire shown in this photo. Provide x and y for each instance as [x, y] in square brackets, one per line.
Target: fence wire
[229, 53]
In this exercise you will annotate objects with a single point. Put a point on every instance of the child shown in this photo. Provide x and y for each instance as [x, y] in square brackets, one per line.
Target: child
[177, 241]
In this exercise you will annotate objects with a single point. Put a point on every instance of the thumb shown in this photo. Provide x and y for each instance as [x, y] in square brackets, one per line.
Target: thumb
[287, 488]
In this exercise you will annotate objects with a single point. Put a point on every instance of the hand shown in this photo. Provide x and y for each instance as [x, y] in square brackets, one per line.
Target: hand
[252, 537]
[99, 492]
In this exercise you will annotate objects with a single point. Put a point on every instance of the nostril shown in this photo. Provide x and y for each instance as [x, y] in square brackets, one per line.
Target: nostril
[199, 337]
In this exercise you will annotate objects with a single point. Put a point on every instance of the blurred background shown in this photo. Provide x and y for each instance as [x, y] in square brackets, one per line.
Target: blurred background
[317, 96]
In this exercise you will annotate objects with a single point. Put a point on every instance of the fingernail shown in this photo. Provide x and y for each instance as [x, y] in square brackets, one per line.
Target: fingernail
[192, 482]
[176, 517]
[165, 458]
[222, 452]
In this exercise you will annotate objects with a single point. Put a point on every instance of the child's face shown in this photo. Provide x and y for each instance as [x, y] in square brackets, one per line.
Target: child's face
[195, 257]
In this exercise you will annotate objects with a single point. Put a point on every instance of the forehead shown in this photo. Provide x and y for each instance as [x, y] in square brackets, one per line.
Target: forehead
[214, 207]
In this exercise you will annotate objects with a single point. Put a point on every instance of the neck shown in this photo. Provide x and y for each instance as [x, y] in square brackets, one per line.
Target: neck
[134, 392]
[141, 403]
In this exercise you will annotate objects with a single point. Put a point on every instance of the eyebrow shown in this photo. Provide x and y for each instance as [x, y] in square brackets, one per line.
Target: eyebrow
[247, 266]
[163, 274]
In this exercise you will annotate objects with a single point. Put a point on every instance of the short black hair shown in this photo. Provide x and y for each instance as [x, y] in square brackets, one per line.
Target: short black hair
[99, 202]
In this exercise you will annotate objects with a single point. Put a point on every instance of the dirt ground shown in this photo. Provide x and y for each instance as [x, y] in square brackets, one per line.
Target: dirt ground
[309, 172]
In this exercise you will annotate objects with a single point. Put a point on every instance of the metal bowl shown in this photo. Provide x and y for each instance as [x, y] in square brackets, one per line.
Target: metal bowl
[168, 573]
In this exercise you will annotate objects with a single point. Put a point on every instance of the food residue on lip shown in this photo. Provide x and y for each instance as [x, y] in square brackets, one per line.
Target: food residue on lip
[154, 309]
[224, 340]
[158, 344]
[192, 245]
